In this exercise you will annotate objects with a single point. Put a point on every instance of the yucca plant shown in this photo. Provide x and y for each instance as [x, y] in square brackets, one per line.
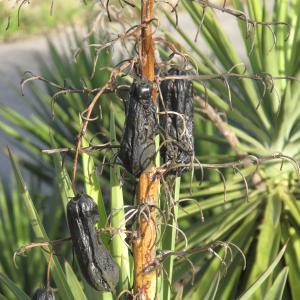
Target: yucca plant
[259, 220]
[264, 119]
[61, 115]
[16, 230]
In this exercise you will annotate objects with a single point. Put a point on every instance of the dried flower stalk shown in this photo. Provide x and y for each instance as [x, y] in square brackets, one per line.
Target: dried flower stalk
[144, 246]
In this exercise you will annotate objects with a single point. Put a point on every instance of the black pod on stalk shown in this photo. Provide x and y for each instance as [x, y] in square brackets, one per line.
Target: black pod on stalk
[176, 119]
[137, 149]
[95, 261]
[43, 294]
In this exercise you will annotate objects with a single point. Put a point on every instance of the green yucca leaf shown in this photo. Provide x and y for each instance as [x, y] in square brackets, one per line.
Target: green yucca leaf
[119, 248]
[291, 257]
[63, 179]
[40, 232]
[268, 243]
[276, 291]
[253, 288]
[20, 295]
[212, 292]
[168, 243]
[3, 297]
[92, 184]
[242, 238]
[73, 282]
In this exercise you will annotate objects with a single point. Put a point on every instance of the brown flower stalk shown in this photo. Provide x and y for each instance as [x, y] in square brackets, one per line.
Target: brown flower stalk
[144, 246]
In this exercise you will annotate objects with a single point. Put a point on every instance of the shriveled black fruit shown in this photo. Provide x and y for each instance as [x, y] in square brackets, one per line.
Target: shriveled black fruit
[137, 145]
[43, 294]
[95, 261]
[177, 128]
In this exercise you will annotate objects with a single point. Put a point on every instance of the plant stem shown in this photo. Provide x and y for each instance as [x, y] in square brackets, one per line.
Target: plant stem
[147, 57]
[144, 246]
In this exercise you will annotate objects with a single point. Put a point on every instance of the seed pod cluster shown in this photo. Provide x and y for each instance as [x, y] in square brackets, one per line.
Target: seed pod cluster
[137, 149]
[176, 120]
[95, 261]
[43, 294]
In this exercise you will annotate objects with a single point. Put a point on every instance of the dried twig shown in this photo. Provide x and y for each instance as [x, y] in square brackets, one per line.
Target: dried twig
[242, 16]
[221, 125]
[244, 162]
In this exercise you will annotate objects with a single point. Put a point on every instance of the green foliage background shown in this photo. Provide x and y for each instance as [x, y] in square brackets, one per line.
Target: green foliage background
[37, 17]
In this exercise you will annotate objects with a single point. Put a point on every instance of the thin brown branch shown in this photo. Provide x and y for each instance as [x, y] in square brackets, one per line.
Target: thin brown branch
[256, 77]
[88, 149]
[238, 14]
[242, 163]
[207, 248]
[84, 129]
[221, 125]
[87, 113]
[49, 270]
[63, 89]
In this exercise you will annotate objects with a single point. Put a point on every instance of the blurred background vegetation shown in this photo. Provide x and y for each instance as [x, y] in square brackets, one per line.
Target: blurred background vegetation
[38, 17]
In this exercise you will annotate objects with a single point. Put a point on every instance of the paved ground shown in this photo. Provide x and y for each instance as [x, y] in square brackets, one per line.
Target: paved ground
[17, 57]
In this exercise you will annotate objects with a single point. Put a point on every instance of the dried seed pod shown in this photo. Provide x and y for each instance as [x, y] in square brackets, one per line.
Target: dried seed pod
[137, 145]
[95, 261]
[43, 294]
[176, 120]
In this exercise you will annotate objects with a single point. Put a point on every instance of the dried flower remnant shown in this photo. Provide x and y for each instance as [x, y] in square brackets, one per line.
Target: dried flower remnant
[43, 294]
[95, 261]
[137, 150]
[176, 120]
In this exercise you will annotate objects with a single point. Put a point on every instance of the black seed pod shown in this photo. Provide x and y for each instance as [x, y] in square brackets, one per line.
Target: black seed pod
[95, 261]
[177, 127]
[137, 145]
[43, 294]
